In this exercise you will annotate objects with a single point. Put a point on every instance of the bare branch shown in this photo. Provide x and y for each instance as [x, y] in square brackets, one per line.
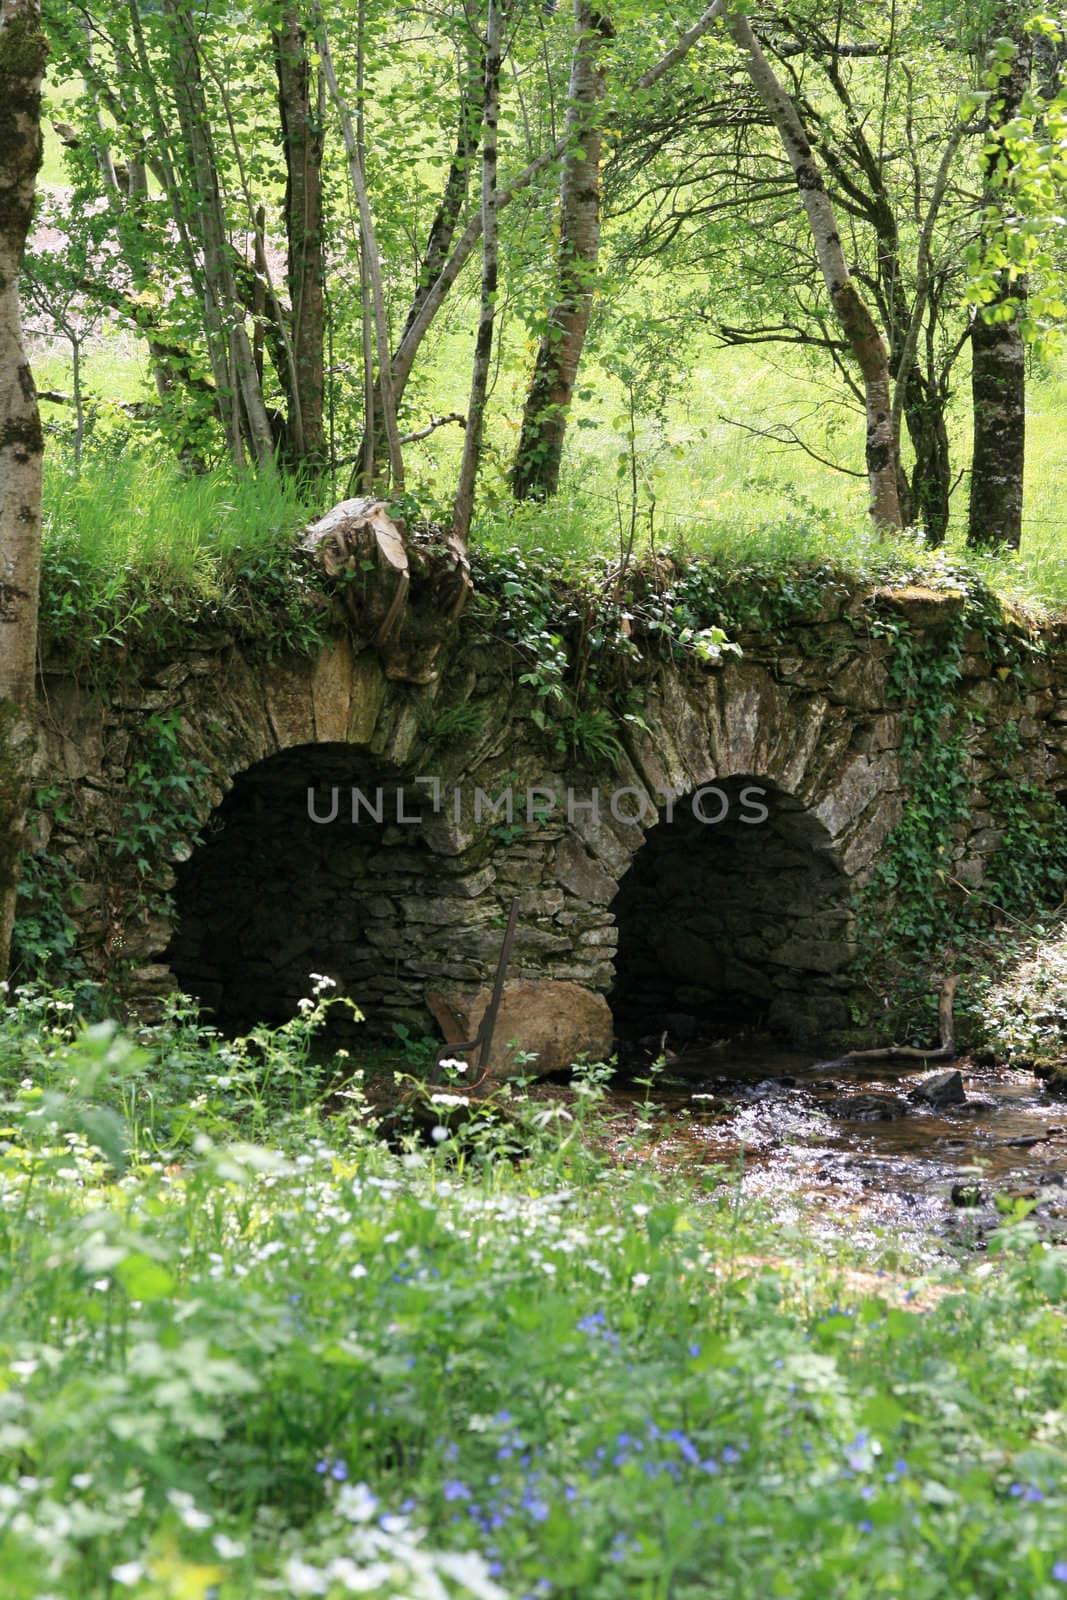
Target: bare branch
[783, 433]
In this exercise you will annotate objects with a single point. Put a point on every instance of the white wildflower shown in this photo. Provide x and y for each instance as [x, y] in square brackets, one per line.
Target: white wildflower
[355, 1502]
[302, 1578]
[228, 1549]
[187, 1510]
[129, 1573]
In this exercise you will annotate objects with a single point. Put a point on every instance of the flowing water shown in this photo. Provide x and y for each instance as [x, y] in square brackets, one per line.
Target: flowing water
[845, 1140]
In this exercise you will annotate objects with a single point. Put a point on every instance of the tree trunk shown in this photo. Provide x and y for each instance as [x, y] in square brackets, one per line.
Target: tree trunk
[931, 478]
[857, 324]
[223, 313]
[438, 244]
[368, 244]
[998, 354]
[544, 422]
[22, 60]
[483, 344]
[302, 141]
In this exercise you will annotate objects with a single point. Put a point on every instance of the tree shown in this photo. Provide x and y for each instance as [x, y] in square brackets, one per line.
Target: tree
[700, 187]
[302, 109]
[540, 452]
[998, 350]
[853, 315]
[23, 51]
[483, 343]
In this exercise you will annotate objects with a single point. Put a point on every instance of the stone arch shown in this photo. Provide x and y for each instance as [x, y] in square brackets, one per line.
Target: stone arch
[833, 792]
[313, 863]
[734, 911]
[266, 895]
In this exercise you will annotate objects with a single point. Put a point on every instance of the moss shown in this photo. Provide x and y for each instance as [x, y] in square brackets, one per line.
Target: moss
[23, 51]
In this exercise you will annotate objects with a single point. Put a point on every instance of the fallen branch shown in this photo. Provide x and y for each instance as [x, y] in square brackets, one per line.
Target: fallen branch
[903, 1052]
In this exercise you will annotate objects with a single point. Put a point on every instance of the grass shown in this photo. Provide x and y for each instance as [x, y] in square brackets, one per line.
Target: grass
[707, 490]
[134, 550]
[248, 1350]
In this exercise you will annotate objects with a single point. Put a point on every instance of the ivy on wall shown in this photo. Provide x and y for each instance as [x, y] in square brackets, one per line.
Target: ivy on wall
[915, 918]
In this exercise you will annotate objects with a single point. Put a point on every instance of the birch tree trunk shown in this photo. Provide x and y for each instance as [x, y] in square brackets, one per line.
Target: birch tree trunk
[302, 114]
[998, 354]
[22, 60]
[857, 324]
[544, 422]
[483, 344]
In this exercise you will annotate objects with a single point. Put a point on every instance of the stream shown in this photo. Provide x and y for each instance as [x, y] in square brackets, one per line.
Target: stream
[843, 1141]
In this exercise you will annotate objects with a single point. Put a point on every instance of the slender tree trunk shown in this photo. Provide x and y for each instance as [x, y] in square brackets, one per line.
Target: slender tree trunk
[544, 422]
[22, 60]
[369, 248]
[998, 354]
[483, 344]
[435, 258]
[857, 323]
[931, 478]
[454, 194]
[302, 111]
[223, 311]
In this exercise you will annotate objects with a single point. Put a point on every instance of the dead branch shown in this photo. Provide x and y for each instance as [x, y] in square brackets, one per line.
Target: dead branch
[784, 433]
[903, 1052]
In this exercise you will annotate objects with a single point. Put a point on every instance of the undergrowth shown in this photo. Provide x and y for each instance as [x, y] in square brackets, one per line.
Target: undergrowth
[139, 555]
[250, 1350]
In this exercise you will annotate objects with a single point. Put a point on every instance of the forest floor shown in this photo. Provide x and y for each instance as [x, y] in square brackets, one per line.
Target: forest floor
[251, 1349]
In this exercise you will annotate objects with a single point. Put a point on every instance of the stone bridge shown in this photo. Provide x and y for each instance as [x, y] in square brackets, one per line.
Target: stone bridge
[342, 824]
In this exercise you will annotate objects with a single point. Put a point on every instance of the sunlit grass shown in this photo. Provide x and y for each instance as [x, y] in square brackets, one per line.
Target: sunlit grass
[706, 487]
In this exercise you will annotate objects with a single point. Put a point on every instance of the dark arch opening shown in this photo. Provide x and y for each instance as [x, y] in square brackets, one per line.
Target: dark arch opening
[733, 914]
[271, 895]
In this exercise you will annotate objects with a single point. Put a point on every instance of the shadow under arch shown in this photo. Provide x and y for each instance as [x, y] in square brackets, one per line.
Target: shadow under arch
[285, 884]
[734, 913]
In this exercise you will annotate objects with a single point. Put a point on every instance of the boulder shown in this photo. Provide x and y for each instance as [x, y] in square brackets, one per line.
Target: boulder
[555, 1022]
[940, 1089]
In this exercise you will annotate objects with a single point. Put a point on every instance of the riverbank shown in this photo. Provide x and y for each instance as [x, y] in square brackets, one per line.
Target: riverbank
[250, 1349]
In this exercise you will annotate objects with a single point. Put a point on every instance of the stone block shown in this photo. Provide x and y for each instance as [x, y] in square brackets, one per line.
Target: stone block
[554, 1021]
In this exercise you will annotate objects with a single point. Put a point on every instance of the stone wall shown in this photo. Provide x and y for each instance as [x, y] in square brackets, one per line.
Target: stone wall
[719, 919]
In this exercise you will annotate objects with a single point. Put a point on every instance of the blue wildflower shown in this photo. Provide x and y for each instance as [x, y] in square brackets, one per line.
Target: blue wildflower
[1059, 1571]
